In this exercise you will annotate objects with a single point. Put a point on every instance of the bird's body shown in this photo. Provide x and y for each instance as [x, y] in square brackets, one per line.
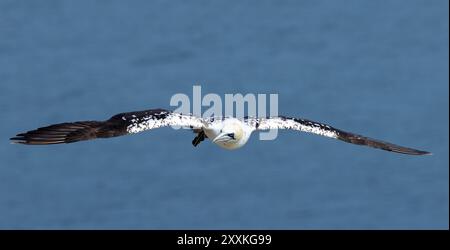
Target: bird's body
[228, 133]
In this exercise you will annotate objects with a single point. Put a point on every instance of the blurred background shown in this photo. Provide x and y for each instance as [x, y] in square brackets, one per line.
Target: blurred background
[378, 68]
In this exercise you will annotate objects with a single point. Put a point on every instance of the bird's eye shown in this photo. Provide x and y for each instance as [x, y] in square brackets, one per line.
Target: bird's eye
[231, 135]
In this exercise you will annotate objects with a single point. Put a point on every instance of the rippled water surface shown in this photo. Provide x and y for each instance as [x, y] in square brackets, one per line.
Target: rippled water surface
[378, 68]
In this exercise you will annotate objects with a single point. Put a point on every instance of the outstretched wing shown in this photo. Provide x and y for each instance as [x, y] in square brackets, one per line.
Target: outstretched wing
[120, 124]
[328, 131]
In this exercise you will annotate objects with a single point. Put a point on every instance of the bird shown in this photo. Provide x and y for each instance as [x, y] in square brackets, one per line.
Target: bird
[226, 132]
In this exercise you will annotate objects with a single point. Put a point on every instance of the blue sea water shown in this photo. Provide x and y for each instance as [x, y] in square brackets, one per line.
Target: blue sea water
[378, 68]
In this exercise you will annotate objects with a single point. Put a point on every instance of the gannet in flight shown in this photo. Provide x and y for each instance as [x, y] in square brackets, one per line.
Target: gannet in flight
[228, 133]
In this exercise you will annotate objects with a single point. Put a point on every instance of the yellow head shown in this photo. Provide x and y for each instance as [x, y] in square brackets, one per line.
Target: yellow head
[231, 135]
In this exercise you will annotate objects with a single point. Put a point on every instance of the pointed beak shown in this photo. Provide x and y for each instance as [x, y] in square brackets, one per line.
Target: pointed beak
[221, 137]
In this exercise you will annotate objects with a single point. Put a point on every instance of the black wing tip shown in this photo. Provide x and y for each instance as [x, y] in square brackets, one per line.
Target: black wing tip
[31, 141]
[411, 152]
[59, 133]
[374, 143]
[405, 150]
[18, 140]
[18, 137]
[420, 152]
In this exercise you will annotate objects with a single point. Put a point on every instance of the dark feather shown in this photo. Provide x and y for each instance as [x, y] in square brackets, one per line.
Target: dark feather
[199, 138]
[60, 133]
[84, 130]
[366, 141]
